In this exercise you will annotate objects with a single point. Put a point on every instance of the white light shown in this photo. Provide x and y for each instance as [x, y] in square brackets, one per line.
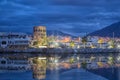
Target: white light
[78, 58]
[42, 46]
[118, 46]
[118, 58]
[42, 58]
[56, 61]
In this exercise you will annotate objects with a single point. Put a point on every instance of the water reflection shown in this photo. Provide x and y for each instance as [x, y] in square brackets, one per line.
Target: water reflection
[70, 68]
[39, 68]
[56, 66]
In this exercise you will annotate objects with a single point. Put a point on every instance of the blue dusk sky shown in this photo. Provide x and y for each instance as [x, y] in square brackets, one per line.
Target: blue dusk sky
[71, 16]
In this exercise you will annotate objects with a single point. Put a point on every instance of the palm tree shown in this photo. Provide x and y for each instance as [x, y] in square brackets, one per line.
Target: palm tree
[72, 44]
[100, 41]
[111, 44]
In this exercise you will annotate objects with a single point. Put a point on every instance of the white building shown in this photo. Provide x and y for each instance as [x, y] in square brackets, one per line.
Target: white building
[14, 40]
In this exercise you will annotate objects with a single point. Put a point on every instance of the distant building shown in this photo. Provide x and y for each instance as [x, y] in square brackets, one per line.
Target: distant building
[39, 32]
[14, 40]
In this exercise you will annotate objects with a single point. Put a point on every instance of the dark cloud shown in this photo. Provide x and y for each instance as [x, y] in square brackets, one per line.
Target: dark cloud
[86, 2]
[72, 16]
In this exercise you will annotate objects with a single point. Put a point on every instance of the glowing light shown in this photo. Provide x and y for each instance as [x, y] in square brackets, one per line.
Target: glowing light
[78, 58]
[56, 61]
[42, 58]
[118, 58]
[118, 46]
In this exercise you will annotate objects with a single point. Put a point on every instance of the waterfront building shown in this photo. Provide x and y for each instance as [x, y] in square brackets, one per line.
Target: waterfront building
[14, 40]
[39, 32]
[39, 36]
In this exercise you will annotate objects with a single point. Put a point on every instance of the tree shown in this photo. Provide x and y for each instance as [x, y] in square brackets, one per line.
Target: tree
[72, 44]
[41, 42]
[71, 60]
[44, 41]
[84, 65]
[100, 41]
[111, 44]
[84, 41]
[36, 43]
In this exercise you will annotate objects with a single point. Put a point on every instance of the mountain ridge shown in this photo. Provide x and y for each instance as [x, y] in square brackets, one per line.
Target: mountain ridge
[49, 33]
[108, 31]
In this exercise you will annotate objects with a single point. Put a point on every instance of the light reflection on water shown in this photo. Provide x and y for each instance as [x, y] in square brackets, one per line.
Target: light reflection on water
[71, 74]
[54, 74]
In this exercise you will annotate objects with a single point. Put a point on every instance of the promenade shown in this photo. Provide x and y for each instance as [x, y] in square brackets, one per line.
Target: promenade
[61, 50]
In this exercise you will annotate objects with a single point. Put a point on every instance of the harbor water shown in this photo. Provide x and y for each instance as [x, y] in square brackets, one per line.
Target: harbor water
[71, 74]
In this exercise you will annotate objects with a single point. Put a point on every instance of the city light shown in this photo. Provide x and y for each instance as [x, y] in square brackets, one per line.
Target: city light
[118, 46]
[56, 61]
[118, 58]
[41, 58]
[59, 39]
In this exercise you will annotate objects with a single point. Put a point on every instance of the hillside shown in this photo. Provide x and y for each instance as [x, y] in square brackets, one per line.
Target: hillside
[108, 31]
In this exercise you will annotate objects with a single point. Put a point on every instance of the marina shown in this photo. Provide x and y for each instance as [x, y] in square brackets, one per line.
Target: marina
[59, 40]
[75, 74]
[39, 62]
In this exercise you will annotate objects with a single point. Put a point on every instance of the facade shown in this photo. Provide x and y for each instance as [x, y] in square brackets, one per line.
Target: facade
[39, 32]
[39, 35]
[14, 40]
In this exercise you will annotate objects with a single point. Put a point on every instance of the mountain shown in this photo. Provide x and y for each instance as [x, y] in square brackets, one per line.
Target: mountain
[58, 33]
[49, 32]
[108, 31]
[55, 33]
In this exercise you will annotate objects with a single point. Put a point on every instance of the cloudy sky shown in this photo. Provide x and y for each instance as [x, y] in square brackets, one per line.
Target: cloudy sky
[71, 16]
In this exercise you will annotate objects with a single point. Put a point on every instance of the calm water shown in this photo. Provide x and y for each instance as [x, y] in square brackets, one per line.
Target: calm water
[73, 74]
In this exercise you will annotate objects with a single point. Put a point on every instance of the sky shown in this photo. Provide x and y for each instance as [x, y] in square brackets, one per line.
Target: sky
[71, 16]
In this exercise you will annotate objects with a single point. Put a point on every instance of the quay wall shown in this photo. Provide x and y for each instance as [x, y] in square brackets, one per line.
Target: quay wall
[62, 50]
